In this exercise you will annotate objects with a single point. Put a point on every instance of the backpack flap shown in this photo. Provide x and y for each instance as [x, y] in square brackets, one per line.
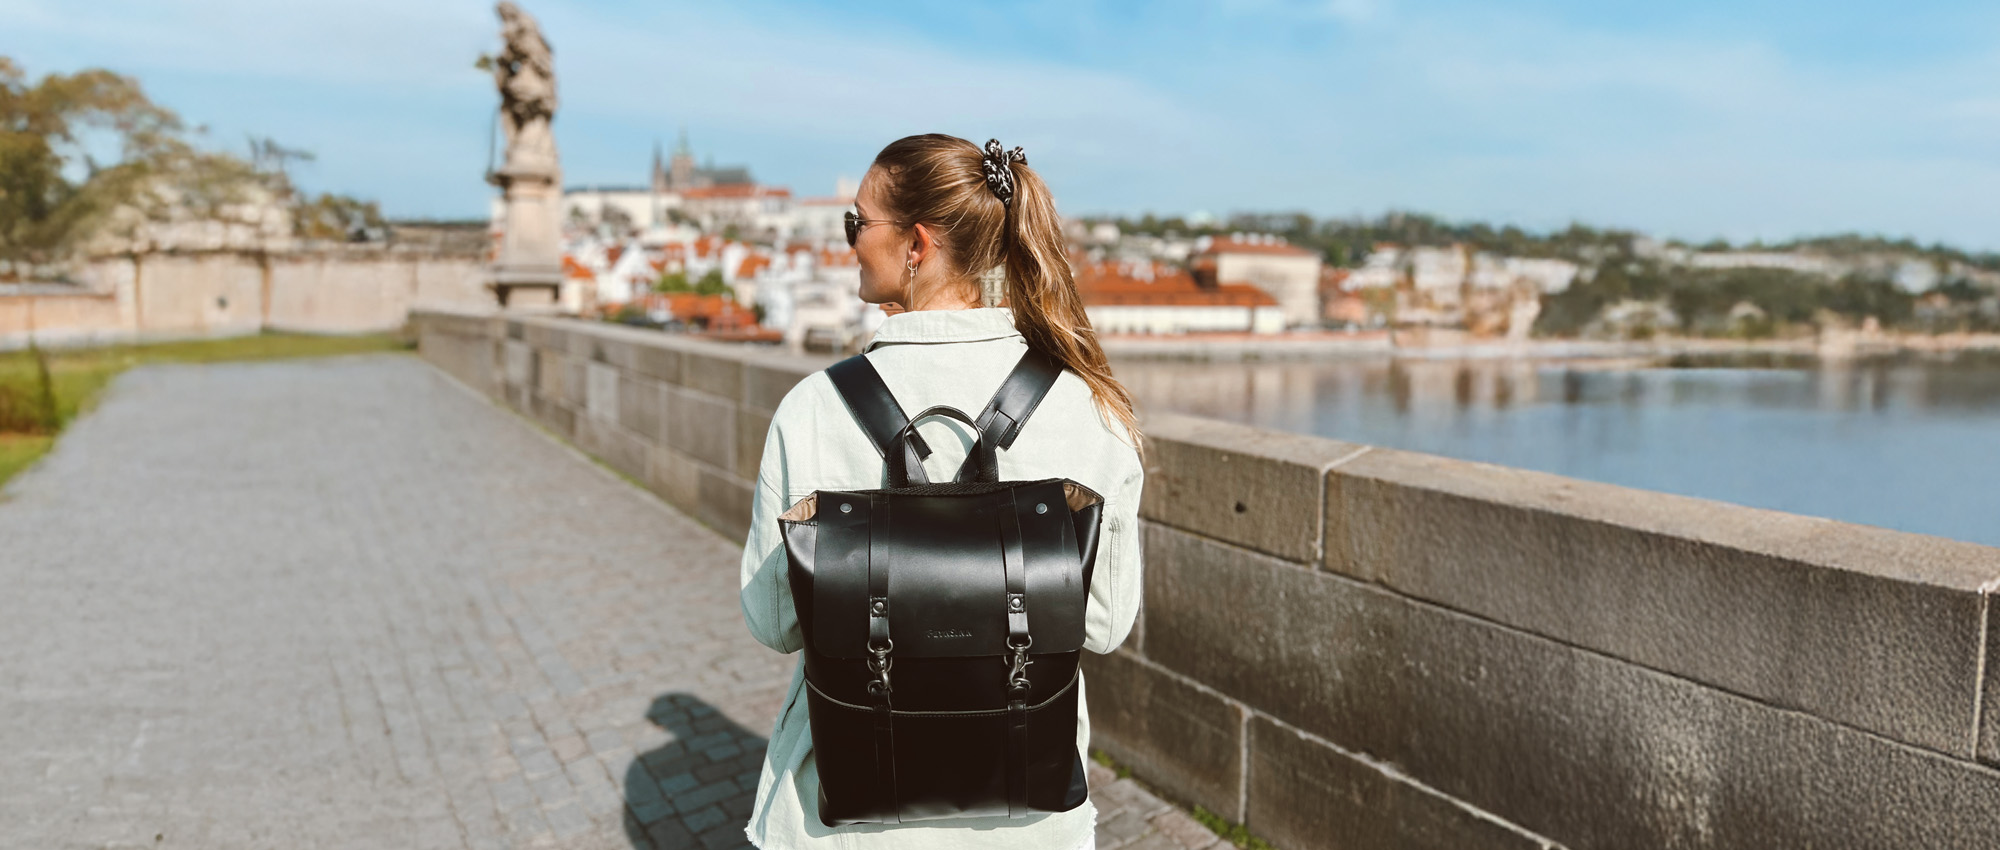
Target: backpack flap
[944, 548]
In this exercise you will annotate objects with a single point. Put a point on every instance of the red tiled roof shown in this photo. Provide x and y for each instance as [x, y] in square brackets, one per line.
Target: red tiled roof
[1227, 245]
[1113, 284]
[1333, 279]
[716, 312]
[752, 264]
[736, 190]
[575, 270]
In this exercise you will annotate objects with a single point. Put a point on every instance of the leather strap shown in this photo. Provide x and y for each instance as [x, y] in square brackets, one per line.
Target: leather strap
[1018, 640]
[1016, 399]
[1017, 758]
[872, 405]
[878, 575]
[881, 650]
[1016, 567]
[906, 467]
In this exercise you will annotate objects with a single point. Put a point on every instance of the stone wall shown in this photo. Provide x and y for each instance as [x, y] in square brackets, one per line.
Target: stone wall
[61, 316]
[1345, 646]
[177, 296]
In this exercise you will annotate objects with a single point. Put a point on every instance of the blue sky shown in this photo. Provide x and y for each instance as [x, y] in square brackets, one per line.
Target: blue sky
[1691, 119]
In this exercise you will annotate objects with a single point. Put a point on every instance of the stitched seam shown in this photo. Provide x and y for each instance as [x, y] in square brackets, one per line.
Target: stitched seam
[1030, 412]
[982, 712]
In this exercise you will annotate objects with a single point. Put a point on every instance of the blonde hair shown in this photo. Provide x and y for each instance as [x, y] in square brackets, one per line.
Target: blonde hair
[940, 180]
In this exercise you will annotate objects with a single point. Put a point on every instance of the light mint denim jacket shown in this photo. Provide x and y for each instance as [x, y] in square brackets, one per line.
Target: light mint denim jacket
[954, 357]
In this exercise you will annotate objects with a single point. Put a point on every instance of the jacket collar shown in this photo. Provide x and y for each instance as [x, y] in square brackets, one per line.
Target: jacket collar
[933, 326]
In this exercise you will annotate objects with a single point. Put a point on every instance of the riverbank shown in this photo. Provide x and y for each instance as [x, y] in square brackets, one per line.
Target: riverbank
[1229, 348]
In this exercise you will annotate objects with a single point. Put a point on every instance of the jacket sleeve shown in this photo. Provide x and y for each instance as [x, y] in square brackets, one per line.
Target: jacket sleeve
[767, 594]
[1116, 585]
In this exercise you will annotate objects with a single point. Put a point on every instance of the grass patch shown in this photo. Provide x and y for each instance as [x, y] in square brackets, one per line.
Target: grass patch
[77, 376]
[1234, 833]
[1104, 758]
[19, 451]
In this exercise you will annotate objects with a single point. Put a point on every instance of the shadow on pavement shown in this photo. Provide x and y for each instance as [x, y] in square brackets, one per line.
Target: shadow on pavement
[695, 791]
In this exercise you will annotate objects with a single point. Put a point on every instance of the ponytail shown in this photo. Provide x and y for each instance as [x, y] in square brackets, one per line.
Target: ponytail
[1048, 310]
[947, 181]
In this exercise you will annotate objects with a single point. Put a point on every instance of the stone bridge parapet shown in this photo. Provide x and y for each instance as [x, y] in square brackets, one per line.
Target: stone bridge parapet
[1347, 646]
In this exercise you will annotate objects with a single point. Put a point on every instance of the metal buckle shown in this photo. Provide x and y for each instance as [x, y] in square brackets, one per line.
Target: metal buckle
[880, 663]
[1017, 661]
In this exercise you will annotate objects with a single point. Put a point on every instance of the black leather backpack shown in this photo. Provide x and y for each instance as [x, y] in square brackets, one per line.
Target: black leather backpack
[943, 622]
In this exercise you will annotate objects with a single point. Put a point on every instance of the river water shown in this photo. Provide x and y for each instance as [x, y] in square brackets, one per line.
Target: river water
[1901, 443]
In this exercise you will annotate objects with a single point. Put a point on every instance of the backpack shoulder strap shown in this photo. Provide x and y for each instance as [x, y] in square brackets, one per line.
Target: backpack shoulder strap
[1011, 406]
[873, 407]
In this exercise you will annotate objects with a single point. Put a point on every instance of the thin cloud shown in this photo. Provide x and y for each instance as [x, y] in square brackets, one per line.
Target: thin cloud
[1333, 106]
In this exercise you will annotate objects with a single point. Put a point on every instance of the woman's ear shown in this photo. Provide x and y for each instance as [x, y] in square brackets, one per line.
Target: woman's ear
[920, 244]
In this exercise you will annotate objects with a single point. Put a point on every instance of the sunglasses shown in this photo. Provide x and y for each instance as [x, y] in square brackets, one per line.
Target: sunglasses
[855, 222]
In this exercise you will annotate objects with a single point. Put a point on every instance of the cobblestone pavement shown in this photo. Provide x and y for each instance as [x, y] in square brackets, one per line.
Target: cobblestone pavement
[346, 603]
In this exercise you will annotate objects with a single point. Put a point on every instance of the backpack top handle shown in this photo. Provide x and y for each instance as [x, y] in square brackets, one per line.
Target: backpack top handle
[906, 468]
[895, 438]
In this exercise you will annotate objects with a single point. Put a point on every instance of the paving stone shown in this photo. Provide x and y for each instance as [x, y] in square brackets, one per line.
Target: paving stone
[567, 821]
[345, 572]
[1183, 831]
[395, 600]
[553, 789]
[703, 819]
[539, 764]
[1123, 826]
[671, 835]
[569, 748]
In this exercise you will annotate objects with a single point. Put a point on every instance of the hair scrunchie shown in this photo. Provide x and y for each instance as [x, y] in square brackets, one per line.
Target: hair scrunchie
[999, 165]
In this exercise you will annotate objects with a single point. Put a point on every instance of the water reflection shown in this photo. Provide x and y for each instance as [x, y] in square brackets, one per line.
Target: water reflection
[1899, 442]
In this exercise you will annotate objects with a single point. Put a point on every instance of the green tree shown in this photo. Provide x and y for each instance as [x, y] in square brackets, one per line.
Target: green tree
[44, 128]
[337, 218]
[711, 284]
[1860, 296]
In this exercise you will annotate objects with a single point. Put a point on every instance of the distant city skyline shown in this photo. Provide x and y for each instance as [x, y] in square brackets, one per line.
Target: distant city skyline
[1694, 120]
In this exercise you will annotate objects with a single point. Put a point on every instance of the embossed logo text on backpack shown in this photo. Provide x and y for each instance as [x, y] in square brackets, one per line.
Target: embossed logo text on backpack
[948, 633]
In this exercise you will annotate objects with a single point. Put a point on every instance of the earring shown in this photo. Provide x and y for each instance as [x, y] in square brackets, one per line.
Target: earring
[910, 286]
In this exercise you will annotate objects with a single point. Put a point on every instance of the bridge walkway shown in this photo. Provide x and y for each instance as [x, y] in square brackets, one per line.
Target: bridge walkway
[348, 603]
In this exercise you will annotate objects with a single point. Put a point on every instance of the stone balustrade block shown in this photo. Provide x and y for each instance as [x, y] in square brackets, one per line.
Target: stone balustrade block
[751, 428]
[1304, 793]
[716, 374]
[766, 383]
[1875, 628]
[1185, 740]
[639, 404]
[601, 391]
[1588, 750]
[701, 426]
[1256, 488]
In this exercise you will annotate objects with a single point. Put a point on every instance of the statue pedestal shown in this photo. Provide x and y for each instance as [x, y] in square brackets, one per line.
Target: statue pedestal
[530, 256]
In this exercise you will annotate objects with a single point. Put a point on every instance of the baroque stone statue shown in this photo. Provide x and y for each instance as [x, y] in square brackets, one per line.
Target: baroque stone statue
[525, 71]
[530, 251]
